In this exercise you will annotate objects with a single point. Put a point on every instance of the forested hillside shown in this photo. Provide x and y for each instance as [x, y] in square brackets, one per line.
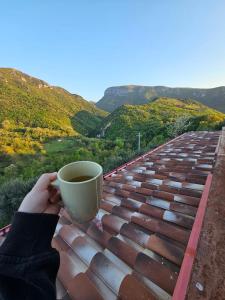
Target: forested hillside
[160, 118]
[30, 102]
[32, 110]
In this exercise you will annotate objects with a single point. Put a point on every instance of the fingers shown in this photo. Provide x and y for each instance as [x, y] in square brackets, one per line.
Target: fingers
[55, 197]
[44, 181]
[54, 205]
[52, 209]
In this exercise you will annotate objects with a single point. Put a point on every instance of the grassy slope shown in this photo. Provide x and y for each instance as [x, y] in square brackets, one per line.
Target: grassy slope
[34, 103]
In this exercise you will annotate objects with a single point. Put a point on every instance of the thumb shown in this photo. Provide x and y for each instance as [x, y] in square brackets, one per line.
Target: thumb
[44, 181]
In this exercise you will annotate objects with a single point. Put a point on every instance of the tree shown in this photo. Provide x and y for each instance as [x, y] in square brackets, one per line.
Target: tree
[180, 126]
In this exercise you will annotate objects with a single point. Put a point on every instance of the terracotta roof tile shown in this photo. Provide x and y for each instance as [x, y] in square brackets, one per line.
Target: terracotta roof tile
[84, 250]
[156, 272]
[151, 210]
[82, 288]
[134, 247]
[100, 265]
[122, 212]
[131, 204]
[59, 244]
[105, 291]
[61, 292]
[132, 288]
[112, 223]
[69, 267]
[165, 249]
[132, 231]
[100, 236]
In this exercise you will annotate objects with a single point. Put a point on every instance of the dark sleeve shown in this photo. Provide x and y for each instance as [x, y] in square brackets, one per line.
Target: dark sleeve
[28, 263]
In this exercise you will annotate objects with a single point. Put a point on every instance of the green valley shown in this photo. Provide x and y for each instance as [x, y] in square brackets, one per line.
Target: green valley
[44, 127]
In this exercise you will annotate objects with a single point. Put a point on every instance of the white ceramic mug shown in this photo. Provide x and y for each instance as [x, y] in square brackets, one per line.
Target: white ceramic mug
[82, 199]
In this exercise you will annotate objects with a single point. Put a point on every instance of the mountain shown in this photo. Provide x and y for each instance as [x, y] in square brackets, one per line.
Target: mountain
[159, 117]
[135, 94]
[30, 102]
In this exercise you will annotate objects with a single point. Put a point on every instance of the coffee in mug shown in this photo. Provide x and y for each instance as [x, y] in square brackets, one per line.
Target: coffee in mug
[80, 178]
[80, 184]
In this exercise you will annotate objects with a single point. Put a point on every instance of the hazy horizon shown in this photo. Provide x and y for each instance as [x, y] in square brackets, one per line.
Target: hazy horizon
[86, 47]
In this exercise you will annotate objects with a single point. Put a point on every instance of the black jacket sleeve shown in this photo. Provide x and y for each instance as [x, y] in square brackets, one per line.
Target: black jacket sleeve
[28, 263]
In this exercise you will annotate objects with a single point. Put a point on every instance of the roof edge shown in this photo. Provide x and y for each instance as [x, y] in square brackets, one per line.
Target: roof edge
[181, 287]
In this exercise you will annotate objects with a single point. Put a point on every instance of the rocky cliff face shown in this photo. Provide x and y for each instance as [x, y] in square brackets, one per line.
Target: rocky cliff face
[135, 94]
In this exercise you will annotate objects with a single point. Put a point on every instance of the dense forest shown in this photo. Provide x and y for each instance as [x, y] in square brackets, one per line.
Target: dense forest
[158, 119]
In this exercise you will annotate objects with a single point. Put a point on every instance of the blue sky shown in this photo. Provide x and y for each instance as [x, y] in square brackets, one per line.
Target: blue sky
[87, 46]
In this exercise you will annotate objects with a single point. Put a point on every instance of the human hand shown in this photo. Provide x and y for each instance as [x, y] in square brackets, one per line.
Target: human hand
[43, 198]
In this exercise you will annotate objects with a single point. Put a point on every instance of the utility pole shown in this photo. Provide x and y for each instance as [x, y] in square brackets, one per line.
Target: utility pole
[139, 141]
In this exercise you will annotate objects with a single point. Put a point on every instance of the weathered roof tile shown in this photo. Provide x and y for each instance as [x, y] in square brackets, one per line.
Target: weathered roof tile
[82, 288]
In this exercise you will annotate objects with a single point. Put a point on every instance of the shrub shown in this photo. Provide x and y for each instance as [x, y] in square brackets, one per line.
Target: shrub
[180, 126]
[11, 195]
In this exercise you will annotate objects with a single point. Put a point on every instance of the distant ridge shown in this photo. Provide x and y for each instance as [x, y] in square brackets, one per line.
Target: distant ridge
[136, 94]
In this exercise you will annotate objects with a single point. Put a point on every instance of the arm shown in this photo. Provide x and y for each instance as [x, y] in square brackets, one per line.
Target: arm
[28, 263]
